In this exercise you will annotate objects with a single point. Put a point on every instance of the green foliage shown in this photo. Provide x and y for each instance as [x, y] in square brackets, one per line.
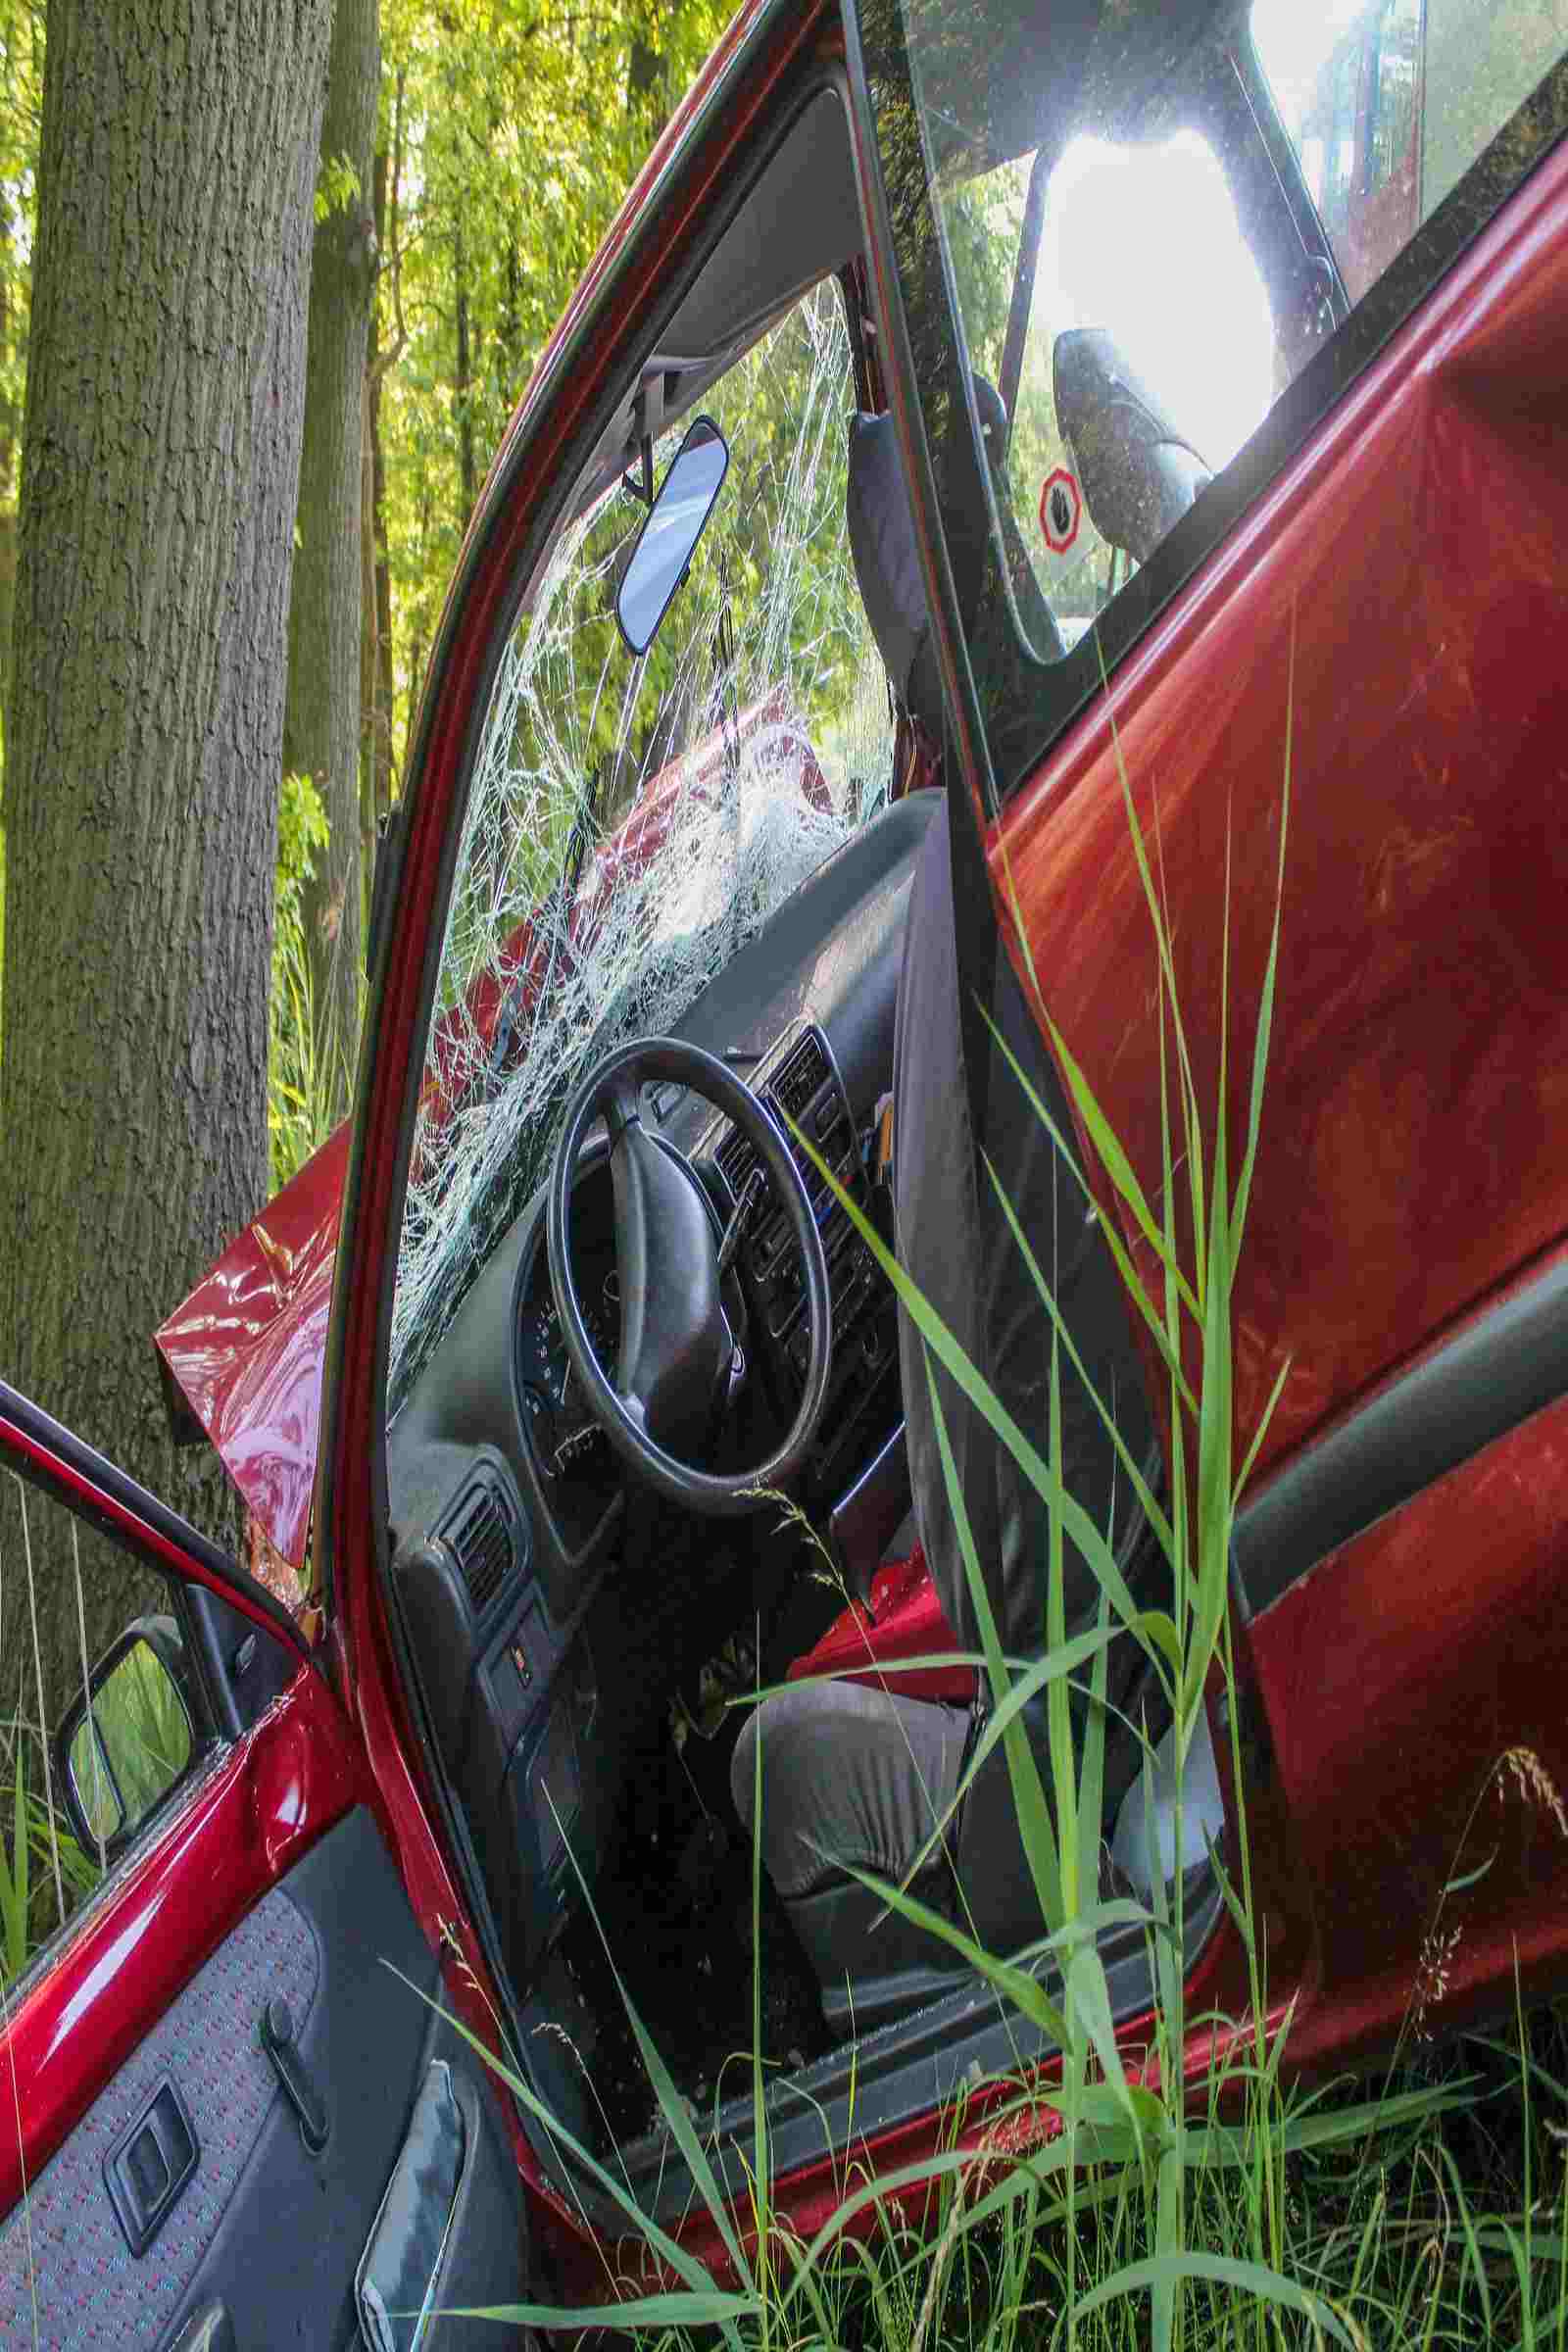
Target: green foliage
[511, 134]
[34, 1844]
[337, 185]
[299, 1096]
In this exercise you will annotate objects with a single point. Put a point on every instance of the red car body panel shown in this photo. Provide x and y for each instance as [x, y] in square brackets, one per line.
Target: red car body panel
[307, 1761]
[247, 1347]
[535, 454]
[1411, 562]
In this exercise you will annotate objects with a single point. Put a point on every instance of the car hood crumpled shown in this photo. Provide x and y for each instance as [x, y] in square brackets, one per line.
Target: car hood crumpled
[243, 1356]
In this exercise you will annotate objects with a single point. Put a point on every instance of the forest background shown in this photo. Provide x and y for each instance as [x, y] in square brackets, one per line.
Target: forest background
[273, 274]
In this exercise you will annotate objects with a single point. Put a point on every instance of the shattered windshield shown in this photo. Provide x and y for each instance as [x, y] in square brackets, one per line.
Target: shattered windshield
[632, 823]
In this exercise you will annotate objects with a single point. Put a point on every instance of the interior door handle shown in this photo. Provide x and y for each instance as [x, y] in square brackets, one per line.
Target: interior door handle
[278, 2041]
[209, 2330]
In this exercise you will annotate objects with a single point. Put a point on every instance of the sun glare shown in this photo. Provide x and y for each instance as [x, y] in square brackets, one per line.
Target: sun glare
[1144, 243]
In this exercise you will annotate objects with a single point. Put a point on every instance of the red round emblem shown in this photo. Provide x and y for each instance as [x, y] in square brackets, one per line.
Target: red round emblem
[1061, 508]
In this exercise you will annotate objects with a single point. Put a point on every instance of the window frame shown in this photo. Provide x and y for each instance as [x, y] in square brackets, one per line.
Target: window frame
[1019, 706]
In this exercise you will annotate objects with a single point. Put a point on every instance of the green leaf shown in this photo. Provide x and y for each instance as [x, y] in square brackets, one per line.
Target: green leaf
[944, 1348]
[1015, 1984]
[671, 2105]
[1149, 1505]
[1226, 2269]
[1266, 1006]
[714, 2309]
[1119, 1169]
[1108, 1225]
[1028, 1793]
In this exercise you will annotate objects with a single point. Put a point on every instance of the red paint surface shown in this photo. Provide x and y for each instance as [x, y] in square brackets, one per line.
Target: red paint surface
[904, 1621]
[248, 1344]
[274, 1794]
[1411, 1161]
[1396, 1676]
[1410, 1158]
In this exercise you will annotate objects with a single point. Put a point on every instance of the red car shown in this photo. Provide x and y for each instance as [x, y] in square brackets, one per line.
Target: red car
[1001, 369]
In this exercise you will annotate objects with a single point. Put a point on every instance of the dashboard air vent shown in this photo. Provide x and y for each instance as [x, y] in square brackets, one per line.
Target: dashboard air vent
[804, 1072]
[479, 1534]
[735, 1158]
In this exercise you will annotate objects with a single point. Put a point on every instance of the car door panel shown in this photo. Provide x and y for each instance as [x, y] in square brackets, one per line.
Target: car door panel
[244, 1821]
[1411, 1681]
[265, 2228]
[1386, 609]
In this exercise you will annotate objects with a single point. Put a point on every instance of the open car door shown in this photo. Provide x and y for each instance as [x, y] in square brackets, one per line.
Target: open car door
[236, 2116]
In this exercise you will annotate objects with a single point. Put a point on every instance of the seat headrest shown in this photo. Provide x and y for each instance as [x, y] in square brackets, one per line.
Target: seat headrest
[883, 544]
[886, 554]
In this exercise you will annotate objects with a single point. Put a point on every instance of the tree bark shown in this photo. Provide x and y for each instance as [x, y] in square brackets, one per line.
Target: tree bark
[386, 217]
[321, 716]
[159, 470]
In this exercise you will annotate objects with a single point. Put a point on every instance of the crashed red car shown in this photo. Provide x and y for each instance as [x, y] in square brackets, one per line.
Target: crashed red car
[953, 383]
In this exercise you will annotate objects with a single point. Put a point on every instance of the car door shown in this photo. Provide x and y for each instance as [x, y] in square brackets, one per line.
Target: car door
[237, 2115]
[1356, 564]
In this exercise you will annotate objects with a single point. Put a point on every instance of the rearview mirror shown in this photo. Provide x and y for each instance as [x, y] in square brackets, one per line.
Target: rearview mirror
[128, 1739]
[671, 528]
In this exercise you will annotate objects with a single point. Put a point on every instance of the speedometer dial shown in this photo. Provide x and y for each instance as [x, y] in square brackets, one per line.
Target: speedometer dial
[558, 1420]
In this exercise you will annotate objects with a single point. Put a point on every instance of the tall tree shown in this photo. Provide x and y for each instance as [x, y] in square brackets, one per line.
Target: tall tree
[160, 473]
[321, 720]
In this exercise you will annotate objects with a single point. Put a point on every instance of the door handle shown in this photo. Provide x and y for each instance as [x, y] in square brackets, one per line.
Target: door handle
[278, 2041]
[149, 2167]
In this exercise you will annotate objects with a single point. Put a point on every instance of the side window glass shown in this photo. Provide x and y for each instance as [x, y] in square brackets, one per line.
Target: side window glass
[102, 1715]
[1149, 357]
[1388, 106]
[1120, 246]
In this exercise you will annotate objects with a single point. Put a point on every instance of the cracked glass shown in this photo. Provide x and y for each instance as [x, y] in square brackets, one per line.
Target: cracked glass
[632, 823]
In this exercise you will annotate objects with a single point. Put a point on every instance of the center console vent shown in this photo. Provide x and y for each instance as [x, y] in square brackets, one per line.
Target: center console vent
[477, 1530]
[789, 1090]
[735, 1161]
[802, 1075]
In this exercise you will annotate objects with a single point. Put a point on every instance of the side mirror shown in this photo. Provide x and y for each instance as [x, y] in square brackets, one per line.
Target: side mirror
[671, 528]
[1139, 474]
[128, 1740]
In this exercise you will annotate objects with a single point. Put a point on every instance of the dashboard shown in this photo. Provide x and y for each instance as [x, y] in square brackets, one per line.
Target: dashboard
[511, 1514]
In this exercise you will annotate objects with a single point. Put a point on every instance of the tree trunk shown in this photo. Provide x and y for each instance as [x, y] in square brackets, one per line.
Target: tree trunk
[321, 716]
[386, 217]
[7, 460]
[160, 468]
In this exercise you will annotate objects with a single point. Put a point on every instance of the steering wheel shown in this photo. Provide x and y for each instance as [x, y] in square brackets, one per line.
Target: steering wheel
[675, 1340]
